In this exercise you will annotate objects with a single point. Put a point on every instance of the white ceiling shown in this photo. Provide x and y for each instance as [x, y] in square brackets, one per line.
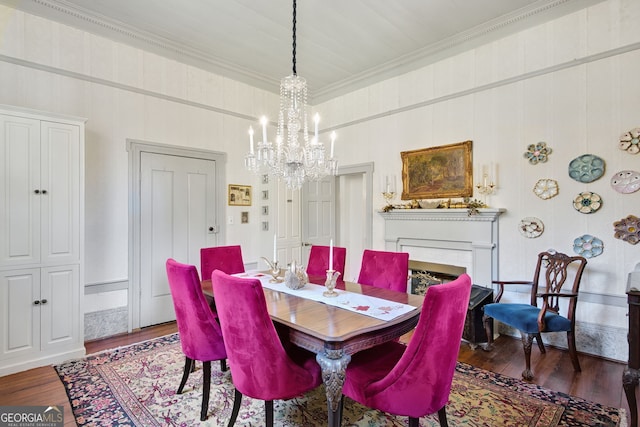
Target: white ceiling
[341, 44]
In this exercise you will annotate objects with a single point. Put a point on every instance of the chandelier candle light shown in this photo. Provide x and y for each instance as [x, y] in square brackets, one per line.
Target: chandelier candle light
[294, 158]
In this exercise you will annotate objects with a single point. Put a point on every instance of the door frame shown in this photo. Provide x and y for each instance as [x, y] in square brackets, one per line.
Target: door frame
[135, 148]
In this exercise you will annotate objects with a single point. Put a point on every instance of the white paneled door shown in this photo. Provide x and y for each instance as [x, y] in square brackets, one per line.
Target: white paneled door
[318, 211]
[177, 213]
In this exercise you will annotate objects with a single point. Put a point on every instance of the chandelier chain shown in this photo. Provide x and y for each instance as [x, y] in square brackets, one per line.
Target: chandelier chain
[293, 59]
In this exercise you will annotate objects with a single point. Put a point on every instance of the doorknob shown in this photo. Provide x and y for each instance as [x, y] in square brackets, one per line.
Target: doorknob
[307, 244]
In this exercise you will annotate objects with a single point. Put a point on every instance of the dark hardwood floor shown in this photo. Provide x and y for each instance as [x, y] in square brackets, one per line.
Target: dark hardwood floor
[600, 380]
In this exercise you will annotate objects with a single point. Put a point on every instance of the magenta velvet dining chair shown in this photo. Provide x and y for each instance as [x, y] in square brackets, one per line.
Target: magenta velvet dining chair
[382, 269]
[319, 260]
[415, 380]
[224, 258]
[200, 333]
[260, 366]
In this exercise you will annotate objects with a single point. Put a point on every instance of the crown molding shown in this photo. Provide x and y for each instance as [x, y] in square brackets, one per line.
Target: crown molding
[72, 15]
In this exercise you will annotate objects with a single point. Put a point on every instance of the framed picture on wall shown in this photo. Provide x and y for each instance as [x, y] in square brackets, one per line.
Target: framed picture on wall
[437, 172]
[239, 195]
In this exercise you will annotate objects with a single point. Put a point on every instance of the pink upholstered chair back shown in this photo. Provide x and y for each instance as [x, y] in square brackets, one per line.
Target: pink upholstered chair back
[383, 269]
[420, 382]
[200, 334]
[224, 258]
[319, 260]
[260, 366]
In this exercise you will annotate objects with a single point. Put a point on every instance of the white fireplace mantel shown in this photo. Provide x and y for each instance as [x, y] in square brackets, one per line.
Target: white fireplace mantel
[448, 231]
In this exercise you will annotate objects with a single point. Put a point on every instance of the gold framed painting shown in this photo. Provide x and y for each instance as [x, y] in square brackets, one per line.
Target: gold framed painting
[437, 172]
[239, 195]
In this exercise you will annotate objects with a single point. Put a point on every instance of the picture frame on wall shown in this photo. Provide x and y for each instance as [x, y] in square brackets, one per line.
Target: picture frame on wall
[239, 195]
[438, 172]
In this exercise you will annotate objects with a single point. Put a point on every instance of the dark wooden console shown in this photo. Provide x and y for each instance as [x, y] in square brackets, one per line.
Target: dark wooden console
[632, 371]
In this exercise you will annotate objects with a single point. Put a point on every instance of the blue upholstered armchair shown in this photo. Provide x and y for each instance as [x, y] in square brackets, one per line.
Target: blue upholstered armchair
[553, 271]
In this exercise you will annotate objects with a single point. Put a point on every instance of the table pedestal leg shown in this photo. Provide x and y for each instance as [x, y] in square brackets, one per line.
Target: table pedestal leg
[629, 383]
[333, 364]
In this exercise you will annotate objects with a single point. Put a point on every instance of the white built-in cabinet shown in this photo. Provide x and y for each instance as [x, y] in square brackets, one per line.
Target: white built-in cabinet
[41, 238]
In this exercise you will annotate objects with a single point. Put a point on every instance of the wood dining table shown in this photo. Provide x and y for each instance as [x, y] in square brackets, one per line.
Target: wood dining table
[334, 333]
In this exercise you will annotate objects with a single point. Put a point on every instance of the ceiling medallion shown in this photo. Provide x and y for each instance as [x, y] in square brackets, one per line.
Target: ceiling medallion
[546, 188]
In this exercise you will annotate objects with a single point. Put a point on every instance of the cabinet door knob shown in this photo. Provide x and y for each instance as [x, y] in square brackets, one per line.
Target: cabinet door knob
[36, 302]
[36, 191]
[44, 191]
[44, 301]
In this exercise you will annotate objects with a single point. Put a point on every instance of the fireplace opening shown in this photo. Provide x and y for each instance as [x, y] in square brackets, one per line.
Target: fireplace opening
[425, 274]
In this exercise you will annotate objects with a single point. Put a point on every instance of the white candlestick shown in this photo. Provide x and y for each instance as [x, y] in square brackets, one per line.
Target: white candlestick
[275, 250]
[333, 141]
[331, 255]
[263, 121]
[251, 139]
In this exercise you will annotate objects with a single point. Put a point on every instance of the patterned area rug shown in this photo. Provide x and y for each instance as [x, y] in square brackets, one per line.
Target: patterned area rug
[136, 386]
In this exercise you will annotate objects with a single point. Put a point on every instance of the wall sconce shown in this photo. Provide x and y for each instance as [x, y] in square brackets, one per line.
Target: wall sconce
[486, 182]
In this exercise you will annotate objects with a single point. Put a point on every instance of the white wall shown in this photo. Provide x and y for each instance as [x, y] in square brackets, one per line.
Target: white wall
[127, 93]
[572, 83]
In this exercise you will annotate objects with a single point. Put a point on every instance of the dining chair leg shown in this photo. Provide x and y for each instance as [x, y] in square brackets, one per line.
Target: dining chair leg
[206, 387]
[414, 422]
[237, 400]
[268, 413]
[442, 417]
[540, 343]
[527, 341]
[223, 365]
[185, 374]
[487, 321]
[573, 353]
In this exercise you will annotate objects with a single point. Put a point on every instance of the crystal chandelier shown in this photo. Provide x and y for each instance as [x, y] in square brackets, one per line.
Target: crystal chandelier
[294, 157]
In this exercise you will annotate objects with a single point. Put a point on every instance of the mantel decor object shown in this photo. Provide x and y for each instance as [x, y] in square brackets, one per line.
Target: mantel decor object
[437, 172]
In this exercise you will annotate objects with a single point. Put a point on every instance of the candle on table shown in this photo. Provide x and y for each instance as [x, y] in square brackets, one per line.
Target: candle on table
[331, 255]
[275, 251]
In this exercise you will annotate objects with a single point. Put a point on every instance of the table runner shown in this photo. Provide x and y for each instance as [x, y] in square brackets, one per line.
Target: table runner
[364, 304]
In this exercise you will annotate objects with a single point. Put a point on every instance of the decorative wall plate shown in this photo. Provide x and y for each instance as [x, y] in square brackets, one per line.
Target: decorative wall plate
[537, 153]
[588, 246]
[586, 168]
[627, 229]
[626, 182]
[587, 202]
[530, 227]
[546, 188]
[630, 141]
